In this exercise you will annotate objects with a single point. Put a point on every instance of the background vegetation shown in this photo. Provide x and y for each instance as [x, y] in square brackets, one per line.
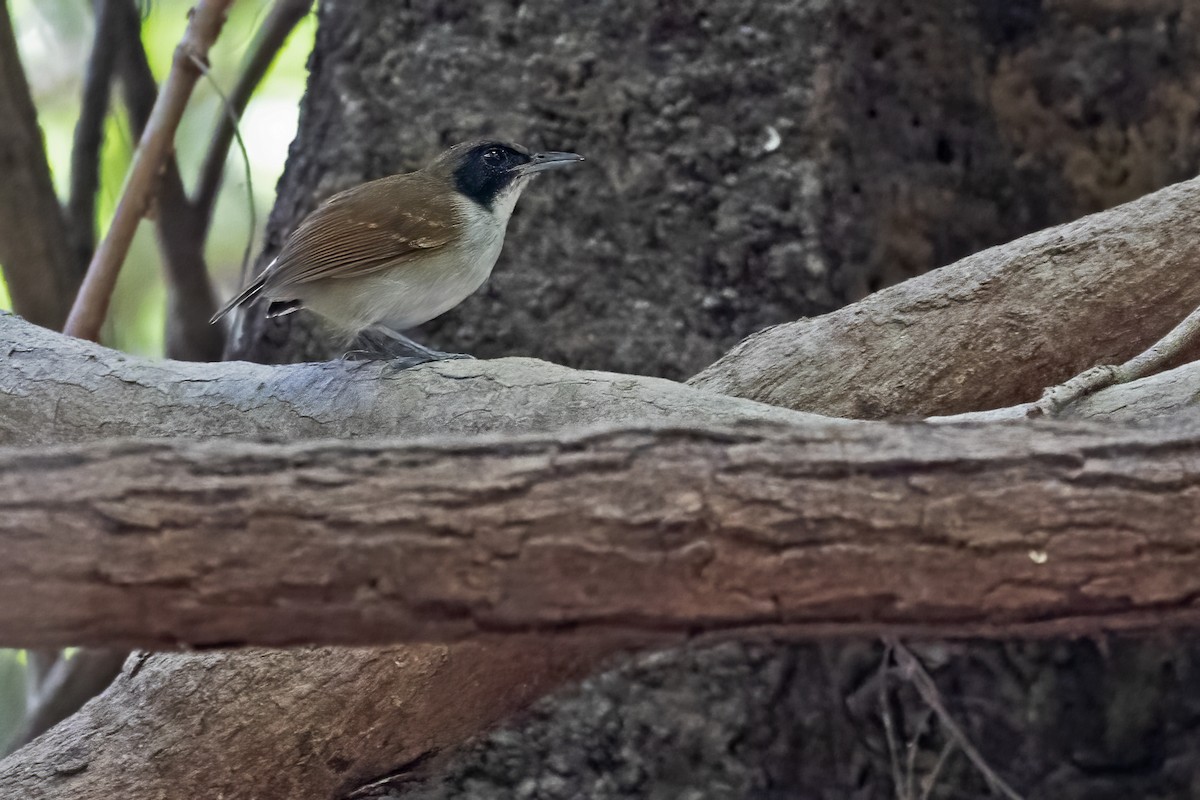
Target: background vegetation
[54, 37]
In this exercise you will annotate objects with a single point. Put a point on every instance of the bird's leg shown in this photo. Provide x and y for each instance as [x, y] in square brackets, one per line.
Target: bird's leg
[421, 350]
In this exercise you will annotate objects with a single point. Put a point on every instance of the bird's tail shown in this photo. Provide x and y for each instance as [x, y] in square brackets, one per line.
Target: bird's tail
[249, 293]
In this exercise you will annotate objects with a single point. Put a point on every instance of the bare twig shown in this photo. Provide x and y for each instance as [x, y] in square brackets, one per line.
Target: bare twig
[89, 130]
[889, 726]
[91, 306]
[932, 778]
[232, 119]
[929, 692]
[274, 31]
[40, 268]
[1149, 361]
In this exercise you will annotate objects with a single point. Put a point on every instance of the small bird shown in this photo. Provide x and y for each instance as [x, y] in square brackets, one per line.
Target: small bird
[398, 251]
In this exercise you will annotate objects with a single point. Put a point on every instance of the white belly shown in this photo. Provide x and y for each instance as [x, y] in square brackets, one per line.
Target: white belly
[411, 292]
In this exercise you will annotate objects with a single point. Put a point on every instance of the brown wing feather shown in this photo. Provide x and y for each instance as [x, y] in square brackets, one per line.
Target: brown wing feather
[365, 229]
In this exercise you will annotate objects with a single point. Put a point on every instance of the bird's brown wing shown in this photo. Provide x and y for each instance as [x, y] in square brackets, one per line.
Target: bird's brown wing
[368, 228]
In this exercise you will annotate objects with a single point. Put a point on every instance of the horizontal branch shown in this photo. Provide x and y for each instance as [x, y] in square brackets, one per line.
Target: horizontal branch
[60, 390]
[822, 529]
[991, 330]
[57, 390]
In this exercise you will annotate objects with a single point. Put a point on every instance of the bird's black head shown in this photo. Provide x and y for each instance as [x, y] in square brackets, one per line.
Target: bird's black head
[485, 169]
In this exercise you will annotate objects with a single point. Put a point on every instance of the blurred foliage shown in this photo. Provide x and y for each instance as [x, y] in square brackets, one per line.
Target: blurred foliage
[54, 37]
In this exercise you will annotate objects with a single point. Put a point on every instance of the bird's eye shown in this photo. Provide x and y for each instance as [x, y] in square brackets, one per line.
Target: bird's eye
[493, 156]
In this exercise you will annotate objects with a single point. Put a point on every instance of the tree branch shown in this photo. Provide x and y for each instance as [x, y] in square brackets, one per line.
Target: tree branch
[344, 717]
[69, 684]
[992, 330]
[272, 34]
[822, 528]
[89, 129]
[1167, 349]
[191, 300]
[91, 306]
[40, 269]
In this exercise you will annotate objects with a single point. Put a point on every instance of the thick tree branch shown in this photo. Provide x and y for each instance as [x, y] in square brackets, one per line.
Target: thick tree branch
[822, 528]
[344, 718]
[55, 389]
[992, 330]
[91, 306]
[40, 268]
[274, 31]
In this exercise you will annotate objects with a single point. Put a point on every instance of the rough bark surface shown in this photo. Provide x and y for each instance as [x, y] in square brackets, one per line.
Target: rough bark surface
[346, 717]
[832, 528]
[1128, 275]
[748, 164]
[57, 390]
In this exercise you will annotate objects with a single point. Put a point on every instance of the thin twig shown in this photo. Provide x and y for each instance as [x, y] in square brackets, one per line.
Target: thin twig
[89, 130]
[91, 306]
[932, 778]
[929, 692]
[40, 266]
[910, 767]
[889, 726]
[231, 116]
[1151, 360]
[274, 31]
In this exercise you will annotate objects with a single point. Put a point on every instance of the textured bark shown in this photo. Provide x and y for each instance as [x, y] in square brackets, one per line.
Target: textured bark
[218, 723]
[55, 390]
[1057, 528]
[1036, 311]
[749, 164]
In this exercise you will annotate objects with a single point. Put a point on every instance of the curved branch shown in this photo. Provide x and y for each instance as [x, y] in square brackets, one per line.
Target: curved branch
[272, 34]
[991, 330]
[1061, 528]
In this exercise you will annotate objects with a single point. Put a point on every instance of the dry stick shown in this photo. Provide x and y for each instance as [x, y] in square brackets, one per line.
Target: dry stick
[91, 306]
[929, 692]
[1155, 358]
[889, 727]
[932, 779]
[89, 130]
[274, 31]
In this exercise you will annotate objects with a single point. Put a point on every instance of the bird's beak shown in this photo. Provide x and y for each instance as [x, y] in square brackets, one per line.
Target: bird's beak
[543, 161]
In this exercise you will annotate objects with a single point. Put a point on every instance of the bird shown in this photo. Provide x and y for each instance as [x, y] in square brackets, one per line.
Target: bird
[393, 253]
